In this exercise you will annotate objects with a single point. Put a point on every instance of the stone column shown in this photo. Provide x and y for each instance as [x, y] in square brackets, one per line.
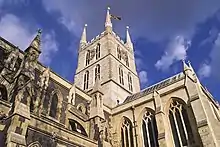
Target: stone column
[160, 119]
[18, 125]
[197, 100]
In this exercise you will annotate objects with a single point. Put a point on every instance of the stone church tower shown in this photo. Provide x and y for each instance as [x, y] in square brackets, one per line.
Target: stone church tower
[104, 106]
[111, 60]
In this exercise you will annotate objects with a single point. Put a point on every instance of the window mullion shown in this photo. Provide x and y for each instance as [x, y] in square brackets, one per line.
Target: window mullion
[175, 121]
[152, 126]
[184, 126]
[148, 135]
[129, 136]
[124, 132]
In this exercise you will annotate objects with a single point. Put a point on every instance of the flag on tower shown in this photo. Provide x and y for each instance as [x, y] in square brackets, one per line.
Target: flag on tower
[115, 17]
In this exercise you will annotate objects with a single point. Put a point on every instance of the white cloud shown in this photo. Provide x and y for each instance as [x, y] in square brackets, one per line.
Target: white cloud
[215, 57]
[143, 77]
[68, 14]
[20, 34]
[204, 71]
[175, 51]
[68, 23]
[15, 31]
[139, 63]
[161, 19]
[49, 47]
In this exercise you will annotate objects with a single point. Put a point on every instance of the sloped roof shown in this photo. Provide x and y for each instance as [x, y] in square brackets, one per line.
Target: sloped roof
[156, 86]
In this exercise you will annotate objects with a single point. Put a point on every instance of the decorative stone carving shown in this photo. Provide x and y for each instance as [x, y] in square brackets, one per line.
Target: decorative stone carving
[11, 60]
[71, 97]
[9, 63]
[35, 144]
[2, 115]
[44, 78]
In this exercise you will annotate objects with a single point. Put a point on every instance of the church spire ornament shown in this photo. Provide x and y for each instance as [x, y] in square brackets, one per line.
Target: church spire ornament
[36, 43]
[128, 43]
[108, 23]
[83, 40]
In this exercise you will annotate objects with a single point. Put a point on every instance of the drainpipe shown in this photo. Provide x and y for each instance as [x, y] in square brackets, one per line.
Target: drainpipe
[135, 125]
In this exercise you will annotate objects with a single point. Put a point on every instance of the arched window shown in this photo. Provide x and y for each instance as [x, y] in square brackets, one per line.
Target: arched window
[121, 79]
[86, 80]
[35, 144]
[76, 127]
[127, 60]
[87, 58]
[127, 133]
[97, 72]
[180, 125]
[130, 82]
[53, 106]
[119, 52]
[97, 51]
[149, 128]
[3, 93]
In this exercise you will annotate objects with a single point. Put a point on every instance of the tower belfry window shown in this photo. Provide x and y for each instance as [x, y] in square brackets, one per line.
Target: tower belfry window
[127, 60]
[87, 58]
[180, 125]
[97, 51]
[86, 80]
[121, 79]
[119, 52]
[97, 72]
[130, 86]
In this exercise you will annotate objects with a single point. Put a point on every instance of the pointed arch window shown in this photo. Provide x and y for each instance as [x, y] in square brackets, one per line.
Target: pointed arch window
[127, 60]
[97, 51]
[121, 79]
[76, 127]
[86, 80]
[149, 128]
[130, 86]
[119, 52]
[97, 72]
[87, 58]
[180, 125]
[127, 133]
[53, 106]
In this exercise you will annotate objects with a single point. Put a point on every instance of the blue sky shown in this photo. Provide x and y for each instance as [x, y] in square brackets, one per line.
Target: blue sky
[163, 32]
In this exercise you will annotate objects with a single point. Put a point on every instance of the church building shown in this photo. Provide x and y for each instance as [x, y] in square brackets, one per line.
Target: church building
[105, 106]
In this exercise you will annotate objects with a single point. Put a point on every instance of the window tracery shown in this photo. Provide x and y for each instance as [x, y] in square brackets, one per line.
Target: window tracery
[121, 78]
[87, 58]
[180, 125]
[127, 133]
[149, 128]
[97, 55]
[97, 72]
[86, 80]
[119, 52]
[130, 84]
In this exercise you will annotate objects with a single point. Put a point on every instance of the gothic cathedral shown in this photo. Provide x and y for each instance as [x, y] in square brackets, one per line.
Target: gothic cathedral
[104, 107]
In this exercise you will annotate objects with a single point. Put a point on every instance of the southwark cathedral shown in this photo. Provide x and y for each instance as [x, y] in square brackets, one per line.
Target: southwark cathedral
[105, 106]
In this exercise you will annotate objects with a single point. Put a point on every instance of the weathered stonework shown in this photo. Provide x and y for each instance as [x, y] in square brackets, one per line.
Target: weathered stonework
[38, 108]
